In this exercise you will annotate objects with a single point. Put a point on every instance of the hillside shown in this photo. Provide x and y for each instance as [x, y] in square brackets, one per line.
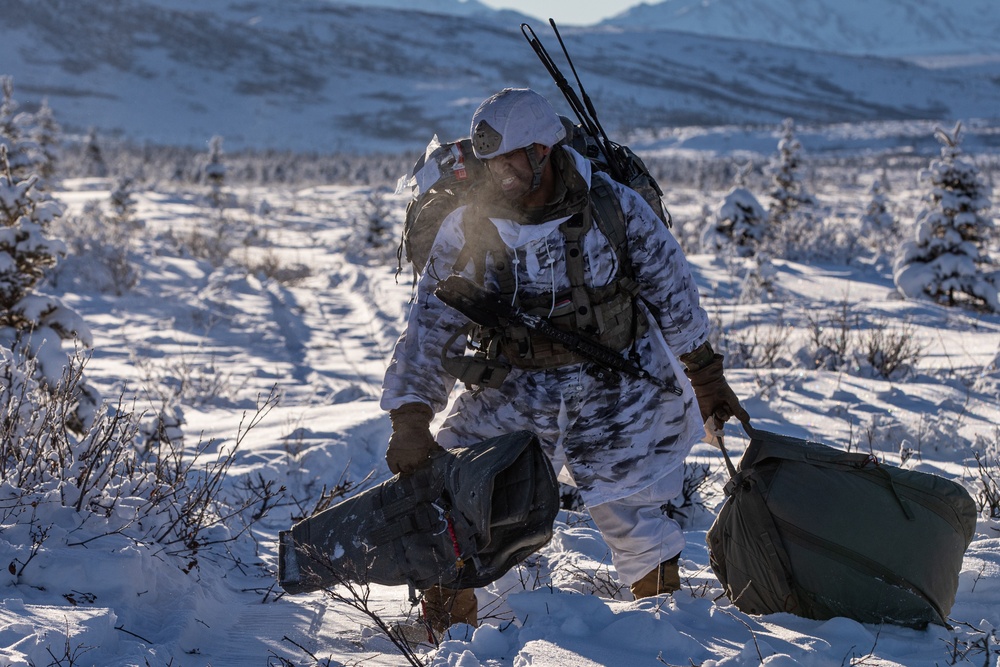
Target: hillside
[311, 75]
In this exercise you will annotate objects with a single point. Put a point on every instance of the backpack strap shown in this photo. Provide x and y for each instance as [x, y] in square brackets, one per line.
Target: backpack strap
[611, 220]
[574, 230]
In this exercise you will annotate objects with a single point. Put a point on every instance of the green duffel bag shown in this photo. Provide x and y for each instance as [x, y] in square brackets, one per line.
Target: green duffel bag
[461, 521]
[819, 532]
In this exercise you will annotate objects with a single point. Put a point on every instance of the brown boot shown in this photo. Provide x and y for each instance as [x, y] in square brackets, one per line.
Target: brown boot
[665, 578]
[444, 607]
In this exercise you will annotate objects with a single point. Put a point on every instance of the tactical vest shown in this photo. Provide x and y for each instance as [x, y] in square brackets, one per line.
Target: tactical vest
[606, 315]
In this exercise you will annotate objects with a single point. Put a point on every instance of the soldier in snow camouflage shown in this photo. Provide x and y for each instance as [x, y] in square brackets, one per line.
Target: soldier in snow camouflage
[621, 440]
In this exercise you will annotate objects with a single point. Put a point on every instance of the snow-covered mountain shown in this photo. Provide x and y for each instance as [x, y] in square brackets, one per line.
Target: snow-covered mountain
[450, 7]
[905, 28]
[319, 75]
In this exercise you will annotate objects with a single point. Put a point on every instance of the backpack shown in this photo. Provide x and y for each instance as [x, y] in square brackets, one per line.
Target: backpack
[443, 177]
[818, 532]
[462, 521]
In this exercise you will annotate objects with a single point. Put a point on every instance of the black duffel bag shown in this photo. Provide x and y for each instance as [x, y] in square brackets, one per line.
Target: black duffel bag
[460, 522]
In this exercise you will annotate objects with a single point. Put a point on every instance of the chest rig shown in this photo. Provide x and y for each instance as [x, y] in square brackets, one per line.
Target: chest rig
[605, 315]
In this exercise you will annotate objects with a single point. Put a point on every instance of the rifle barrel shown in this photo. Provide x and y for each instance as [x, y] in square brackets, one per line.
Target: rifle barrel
[585, 111]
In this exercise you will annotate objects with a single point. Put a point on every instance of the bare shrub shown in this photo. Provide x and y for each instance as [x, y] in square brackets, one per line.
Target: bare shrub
[269, 265]
[182, 379]
[758, 345]
[973, 645]
[213, 245]
[889, 350]
[689, 506]
[353, 590]
[830, 336]
[988, 469]
[165, 496]
[189, 505]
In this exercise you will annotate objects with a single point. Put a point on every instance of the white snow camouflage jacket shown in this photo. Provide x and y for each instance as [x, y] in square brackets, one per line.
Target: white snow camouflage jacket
[614, 436]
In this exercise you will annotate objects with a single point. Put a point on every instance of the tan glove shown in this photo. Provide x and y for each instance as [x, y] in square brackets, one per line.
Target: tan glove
[716, 399]
[411, 442]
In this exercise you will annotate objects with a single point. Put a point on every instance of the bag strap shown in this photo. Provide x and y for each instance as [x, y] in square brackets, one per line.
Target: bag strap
[750, 431]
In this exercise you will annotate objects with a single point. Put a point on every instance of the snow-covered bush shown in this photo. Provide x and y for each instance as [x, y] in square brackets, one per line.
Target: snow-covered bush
[374, 225]
[101, 243]
[158, 494]
[947, 259]
[740, 222]
[32, 324]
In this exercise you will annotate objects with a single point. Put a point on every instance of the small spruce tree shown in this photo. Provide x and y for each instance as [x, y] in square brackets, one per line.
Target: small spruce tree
[947, 258]
[15, 133]
[96, 166]
[47, 137]
[10, 133]
[740, 222]
[376, 218]
[879, 227]
[122, 202]
[33, 325]
[215, 173]
[788, 191]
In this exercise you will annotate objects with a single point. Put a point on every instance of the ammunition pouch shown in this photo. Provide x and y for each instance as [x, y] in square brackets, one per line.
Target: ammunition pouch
[481, 370]
[617, 320]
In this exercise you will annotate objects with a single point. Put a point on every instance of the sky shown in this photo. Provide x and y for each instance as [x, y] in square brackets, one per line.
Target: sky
[566, 12]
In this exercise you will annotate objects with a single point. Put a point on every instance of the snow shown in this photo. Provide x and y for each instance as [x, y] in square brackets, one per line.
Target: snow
[212, 340]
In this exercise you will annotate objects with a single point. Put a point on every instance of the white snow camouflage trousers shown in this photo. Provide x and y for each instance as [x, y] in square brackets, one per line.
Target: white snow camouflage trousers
[615, 436]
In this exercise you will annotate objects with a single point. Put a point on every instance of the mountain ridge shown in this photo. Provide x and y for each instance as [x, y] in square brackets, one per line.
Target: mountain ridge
[888, 28]
[316, 75]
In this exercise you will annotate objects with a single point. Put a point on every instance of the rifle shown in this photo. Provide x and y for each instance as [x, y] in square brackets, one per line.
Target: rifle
[624, 165]
[490, 311]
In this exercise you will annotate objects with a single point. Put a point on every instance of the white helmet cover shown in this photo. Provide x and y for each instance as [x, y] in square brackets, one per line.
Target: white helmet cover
[514, 118]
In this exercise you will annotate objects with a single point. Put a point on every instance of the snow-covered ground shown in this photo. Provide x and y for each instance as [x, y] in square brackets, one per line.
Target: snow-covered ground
[317, 319]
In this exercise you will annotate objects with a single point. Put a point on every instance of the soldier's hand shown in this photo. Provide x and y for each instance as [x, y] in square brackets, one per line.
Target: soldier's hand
[716, 399]
[411, 443]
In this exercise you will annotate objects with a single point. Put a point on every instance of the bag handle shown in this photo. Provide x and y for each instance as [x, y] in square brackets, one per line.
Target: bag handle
[749, 430]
